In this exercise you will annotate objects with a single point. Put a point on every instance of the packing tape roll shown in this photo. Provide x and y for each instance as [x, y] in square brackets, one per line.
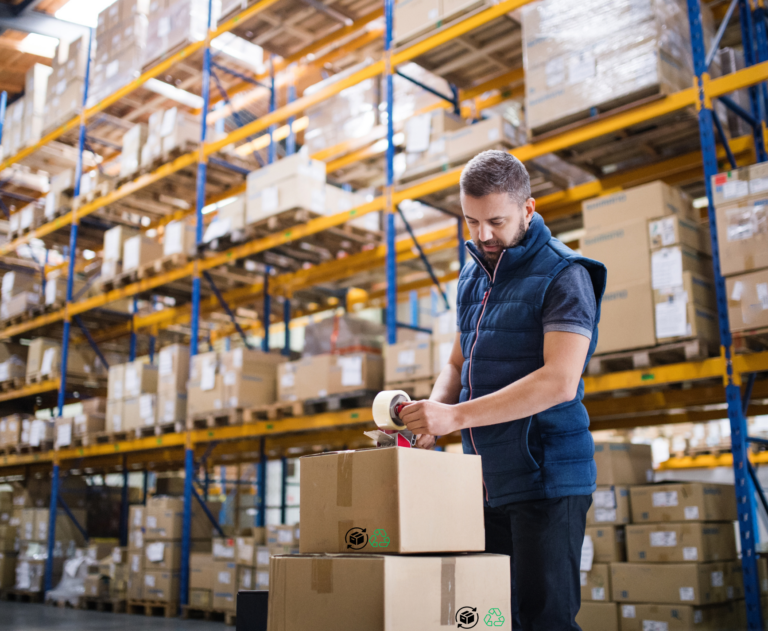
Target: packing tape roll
[383, 405]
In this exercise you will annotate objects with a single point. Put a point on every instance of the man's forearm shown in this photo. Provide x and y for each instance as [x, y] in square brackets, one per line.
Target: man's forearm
[448, 385]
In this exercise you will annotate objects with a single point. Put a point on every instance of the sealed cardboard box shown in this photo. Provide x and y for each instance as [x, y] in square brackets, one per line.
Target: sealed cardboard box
[623, 248]
[140, 378]
[223, 549]
[161, 586]
[680, 542]
[201, 398]
[413, 17]
[201, 570]
[742, 234]
[747, 300]
[669, 264]
[254, 388]
[96, 586]
[164, 516]
[596, 584]
[623, 464]
[281, 535]
[290, 194]
[730, 186]
[695, 289]
[608, 543]
[610, 506]
[114, 239]
[320, 375]
[626, 318]
[224, 585]
[688, 501]
[469, 140]
[677, 320]
[299, 164]
[597, 616]
[669, 583]
[287, 387]
[349, 592]
[245, 577]
[442, 346]
[675, 230]
[171, 407]
[139, 251]
[641, 617]
[245, 548]
[166, 555]
[173, 368]
[408, 360]
[263, 555]
[363, 501]
[200, 598]
[135, 586]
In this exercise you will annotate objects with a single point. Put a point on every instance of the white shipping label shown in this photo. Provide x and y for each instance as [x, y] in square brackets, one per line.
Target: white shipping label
[587, 554]
[687, 594]
[667, 268]
[406, 358]
[245, 552]
[208, 377]
[165, 364]
[64, 435]
[137, 517]
[42, 530]
[131, 381]
[691, 553]
[698, 615]
[603, 515]
[163, 26]
[432, 15]
[269, 200]
[666, 228]
[655, 625]
[230, 378]
[262, 579]
[169, 411]
[237, 358]
[735, 188]
[417, 132]
[116, 556]
[224, 578]
[738, 291]
[583, 578]
[493, 134]
[155, 551]
[351, 371]
[37, 432]
[598, 593]
[245, 583]
[664, 539]
[151, 521]
[285, 536]
[50, 292]
[628, 611]
[717, 579]
[149, 580]
[262, 557]
[691, 512]
[135, 563]
[762, 294]
[664, 498]
[223, 551]
[287, 380]
[46, 366]
[604, 499]
[672, 319]
[147, 408]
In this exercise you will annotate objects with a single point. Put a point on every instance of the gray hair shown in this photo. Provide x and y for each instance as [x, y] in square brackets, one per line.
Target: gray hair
[496, 171]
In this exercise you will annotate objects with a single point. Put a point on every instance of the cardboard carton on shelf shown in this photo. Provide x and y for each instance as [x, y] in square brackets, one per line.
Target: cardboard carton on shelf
[224, 585]
[681, 542]
[672, 230]
[408, 360]
[610, 506]
[626, 319]
[747, 300]
[623, 464]
[640, 617]
[670, 583]
[201, 570]
[608, 543]
[161, 586]
[742, 234]
[681, 502]
[164, 516]
[596, 583]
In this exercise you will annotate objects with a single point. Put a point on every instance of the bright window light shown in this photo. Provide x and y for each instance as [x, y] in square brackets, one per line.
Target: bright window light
[37, 44]
[224, 202]
[85, 12]
[175, 94]
[700, 202]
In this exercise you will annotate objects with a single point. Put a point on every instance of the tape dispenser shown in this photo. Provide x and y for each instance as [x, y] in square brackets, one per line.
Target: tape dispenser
[392, 431]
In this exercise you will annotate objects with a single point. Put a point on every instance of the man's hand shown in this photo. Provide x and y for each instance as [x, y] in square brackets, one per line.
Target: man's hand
[425, 441]
[430, 417]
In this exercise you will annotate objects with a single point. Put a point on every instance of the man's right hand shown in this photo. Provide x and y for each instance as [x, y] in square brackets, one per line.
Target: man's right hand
[425, 441]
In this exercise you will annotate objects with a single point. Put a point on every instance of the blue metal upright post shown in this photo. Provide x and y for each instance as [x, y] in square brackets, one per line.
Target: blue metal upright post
[272, 106]
[48, 579]
[757, 105]
[287, 324]
[134, 338]
[3, 103]
[261, 486]
[391, 257]
[290, 142]
[283, 489]
[152, 349]
[745, 498]
[189, 454]
[267, 311]
[413, 301]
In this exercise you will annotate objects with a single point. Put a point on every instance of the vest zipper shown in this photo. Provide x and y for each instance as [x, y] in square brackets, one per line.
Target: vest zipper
[472, 350]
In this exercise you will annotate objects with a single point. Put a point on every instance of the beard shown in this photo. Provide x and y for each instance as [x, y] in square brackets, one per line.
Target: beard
[493, 257]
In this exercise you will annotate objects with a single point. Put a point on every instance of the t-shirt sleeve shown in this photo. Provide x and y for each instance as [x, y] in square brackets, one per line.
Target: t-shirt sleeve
[569, 304]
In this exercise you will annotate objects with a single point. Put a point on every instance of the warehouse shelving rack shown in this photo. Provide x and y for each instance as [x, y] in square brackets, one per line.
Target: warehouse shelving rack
[342, 429]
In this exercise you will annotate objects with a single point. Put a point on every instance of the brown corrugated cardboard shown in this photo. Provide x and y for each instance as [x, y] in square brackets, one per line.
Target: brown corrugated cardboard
[320, 375]
[246, 547]
[677, 320]
[96, 586]
[250, 389]
[166, 555]
[114, 418]
[139, 251]
[209, 399]
[201, 570]
[596, 616]
[689, 501]
[200, 598]
[173, 368]
[164, 516]
[669, 583]
[278, 534]
[641, 617]
[742, 235]
[376, 593]
[136, 586]
[596, 584]
[413, 17]
[224, 549]
[224, 585]
[748, 300]
[162, 586]
[466, 142]
[681, 542]
[263, 555]
[623, 463]
[674, 230]
[608, 542]
[730, 186]
[695, 289]
[140, 378]
[114, 239]
[610, 506]
[408, 360]
[623, 248]
[287, 387]
[363, 501]
[669, 264]
[626, 319]
[136, 561]
[171, 407]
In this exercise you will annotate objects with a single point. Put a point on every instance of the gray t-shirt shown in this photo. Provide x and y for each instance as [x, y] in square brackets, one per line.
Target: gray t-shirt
[569, 304]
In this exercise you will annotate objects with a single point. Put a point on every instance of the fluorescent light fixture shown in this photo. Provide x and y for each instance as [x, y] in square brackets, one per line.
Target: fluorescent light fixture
[85, 12]
[36, 44]
[175, 94]
[216, 206]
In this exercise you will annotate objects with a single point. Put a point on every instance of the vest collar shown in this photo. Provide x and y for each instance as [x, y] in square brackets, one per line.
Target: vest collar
[536, 237]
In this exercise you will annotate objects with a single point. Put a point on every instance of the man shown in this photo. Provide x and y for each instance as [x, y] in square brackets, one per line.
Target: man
[528, 309]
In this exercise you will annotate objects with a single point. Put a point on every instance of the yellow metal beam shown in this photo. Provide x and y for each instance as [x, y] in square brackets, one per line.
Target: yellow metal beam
[31, 390]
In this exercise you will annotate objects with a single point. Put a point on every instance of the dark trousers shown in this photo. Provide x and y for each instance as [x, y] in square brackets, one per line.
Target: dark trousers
[543, 539]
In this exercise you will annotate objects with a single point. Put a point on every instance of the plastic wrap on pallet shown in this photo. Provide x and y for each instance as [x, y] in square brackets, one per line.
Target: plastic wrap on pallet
[64, 93]
[602, 54]
[340, 333]
[72, 584]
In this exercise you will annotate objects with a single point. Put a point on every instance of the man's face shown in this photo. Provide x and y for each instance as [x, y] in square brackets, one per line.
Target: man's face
[496, 222]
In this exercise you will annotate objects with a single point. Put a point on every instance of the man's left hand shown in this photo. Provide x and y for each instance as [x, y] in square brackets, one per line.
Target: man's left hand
[430, 417]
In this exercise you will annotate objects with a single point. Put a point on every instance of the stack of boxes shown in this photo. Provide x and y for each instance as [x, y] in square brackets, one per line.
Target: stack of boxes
[741, 200]
[623, 231]
[135, 553]
[107, 579]
[44, 361]
[24, 118]
[168, 131]
[59, 196]
[371, 540]
[65, 84]
[140, 250]
[14, 430]
[114, 241]
[90, 421]
[132, 396]
[21, 292]
[9, 533]
[172, 377]
[417, 17]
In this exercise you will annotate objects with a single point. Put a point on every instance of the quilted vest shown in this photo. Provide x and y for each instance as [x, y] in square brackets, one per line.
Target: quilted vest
[550, 454]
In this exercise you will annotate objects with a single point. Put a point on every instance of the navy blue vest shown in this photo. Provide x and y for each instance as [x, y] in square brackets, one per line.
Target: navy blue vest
[550, 454]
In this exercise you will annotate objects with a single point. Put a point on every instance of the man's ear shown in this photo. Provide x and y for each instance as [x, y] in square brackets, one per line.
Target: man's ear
[530, 208]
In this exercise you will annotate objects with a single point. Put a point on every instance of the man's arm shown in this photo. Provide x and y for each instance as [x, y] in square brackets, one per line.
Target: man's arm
[554, 383]
[448, 385]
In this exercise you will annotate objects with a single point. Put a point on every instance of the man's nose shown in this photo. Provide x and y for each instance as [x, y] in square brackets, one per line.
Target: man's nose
[485, 233]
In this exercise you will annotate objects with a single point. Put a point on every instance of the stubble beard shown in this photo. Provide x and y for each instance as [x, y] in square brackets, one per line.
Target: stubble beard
[493, 257]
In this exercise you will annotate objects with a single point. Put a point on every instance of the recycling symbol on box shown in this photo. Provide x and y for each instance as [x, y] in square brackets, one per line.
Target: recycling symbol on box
[494, 618]
[380, 539]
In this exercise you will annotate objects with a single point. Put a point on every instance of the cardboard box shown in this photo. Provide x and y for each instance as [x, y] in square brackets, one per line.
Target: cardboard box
[96, 586]
[94, 405]
[37, 348]
[597, 616]
[135, 586]
[747, 300]
[645, 202]
[224, 585]
[689, 501]
[610, 506]
[114, 417]
[321, 375]
[246, 547]
[171, 407]
[608, 543]
[164, 516]
[283, 535]
[730, 186]
[596, 584]
[179, 238]
[166, 555]
[675, 230]
[669, 264]
[641, 617]
[742, 234]
[669, 583]
[200, 598]
[114, 240]
[85, 424]
[173, 368]
[299, 164]
[162, 586]
[442, 346]
[626, 319]
[408, 360]
[623, 464]
[624, 248]
[676, 320]
[695, 289]
[250, 389]
[287, 387]
[136, 560]
[680, 542]
[291, 194]
[201, 570]
[224, 549]
[140, 378]
[363, 501]
[413, 17]
[350, 593]
[139, 251]
[205, 391]
[245, 578]
[469, 140]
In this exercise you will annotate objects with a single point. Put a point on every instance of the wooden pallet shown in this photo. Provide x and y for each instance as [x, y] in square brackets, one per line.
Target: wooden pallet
[13, 384]
[172, 261]
[21, 596]
[60, 602]
[45, 445]
[672, 353]
[108, 438]
[219, 418]
[27, 315]
[416, 389]
[274, 411]
[91, 603]
[344, 401]
[753, 341]
[159, 430]
[152, 608]
[214, 615]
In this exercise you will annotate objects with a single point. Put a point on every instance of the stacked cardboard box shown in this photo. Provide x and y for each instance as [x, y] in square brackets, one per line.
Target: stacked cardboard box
[24, 117]
[65, 85]
[409, 360]
[417, 17]
[59, 197]
[113, 252]
[179, 238]
[168, 131]
[371, 540]
[135, 553]
[172, 377]
[617, 234]
[319, 376]
[14, 429]
[742, 233]
[8, 541]
[21, 292]
[139, 251]
[44, 361]
[92, 420]
[132, 396]
[239, 378]
[55, 294]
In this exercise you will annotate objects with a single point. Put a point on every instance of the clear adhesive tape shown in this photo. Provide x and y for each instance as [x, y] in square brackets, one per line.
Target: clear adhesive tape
[382, 408]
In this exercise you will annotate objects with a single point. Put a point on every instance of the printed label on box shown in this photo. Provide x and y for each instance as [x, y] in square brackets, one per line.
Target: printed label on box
[687, 594]
[224, 578]
[664, 498]
[664, 539]
[691, 512]
[605, 514]
[628, 611]
[587, 554]
[691, 553]
[717, 579]
[351, 371]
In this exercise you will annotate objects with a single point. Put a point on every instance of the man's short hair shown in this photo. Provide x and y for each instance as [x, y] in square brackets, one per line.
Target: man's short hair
[496, 171]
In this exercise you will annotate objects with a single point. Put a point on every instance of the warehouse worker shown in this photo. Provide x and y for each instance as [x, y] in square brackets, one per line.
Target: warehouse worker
[528, 309]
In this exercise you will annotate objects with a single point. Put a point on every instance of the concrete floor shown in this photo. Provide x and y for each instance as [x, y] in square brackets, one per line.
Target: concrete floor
[28, 617]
